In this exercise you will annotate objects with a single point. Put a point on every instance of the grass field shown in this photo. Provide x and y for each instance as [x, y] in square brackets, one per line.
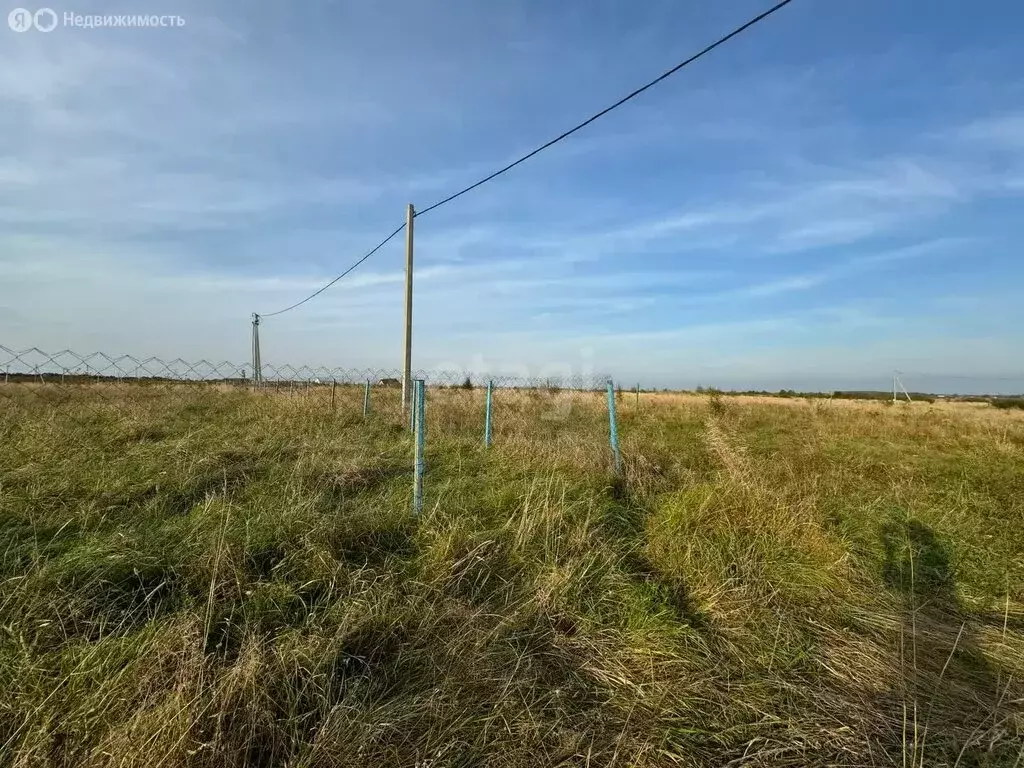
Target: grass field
[218, 578]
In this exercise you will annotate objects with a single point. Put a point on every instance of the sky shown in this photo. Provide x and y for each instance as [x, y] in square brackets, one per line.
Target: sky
[829, 197]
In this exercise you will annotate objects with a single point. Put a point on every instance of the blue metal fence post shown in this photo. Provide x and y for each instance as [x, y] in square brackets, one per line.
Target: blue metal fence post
[366, 399]
[419, 462]
[487, 417]
[412, 409]
[613, 427]
[423, 409]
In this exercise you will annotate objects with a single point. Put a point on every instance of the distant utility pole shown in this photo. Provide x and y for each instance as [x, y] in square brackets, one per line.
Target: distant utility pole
[257, 368]
[410, 214]
[897, 382]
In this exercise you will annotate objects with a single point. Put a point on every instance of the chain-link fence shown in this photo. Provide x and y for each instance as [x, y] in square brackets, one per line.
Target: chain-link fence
[459, 403]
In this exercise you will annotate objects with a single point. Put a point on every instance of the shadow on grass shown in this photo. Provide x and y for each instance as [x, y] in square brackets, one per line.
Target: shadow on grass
[626, 516]
[373, 543]
[952, 693]
[668, 593]
[227, 474]
[626, 521]
[342, 488]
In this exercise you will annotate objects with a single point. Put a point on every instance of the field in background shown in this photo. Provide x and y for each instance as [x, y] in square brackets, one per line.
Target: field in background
[199, 577]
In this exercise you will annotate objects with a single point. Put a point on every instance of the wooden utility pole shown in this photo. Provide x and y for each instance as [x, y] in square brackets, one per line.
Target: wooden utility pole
[410, 214]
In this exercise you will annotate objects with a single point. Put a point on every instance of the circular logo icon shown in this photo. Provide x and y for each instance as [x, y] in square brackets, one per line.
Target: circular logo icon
[20, 20]
[45, 19]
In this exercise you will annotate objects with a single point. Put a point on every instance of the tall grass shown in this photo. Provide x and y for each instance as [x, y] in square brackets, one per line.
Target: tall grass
[223, 578]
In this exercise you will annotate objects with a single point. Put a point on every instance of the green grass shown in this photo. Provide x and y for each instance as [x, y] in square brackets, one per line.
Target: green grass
[217, 578]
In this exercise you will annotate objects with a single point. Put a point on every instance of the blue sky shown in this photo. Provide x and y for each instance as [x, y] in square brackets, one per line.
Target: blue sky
[831, 196]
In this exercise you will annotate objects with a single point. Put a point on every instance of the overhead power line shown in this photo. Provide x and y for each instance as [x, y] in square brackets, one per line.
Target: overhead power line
[665, 75]
[313, 295]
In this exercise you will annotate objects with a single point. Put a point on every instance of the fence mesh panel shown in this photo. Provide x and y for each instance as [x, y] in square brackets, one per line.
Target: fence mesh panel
[456, 401]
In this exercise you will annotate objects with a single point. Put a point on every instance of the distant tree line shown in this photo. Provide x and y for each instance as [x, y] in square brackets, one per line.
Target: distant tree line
[1008, 402]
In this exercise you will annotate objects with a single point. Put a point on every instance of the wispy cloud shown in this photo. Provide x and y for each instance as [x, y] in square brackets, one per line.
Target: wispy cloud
[1004, 131]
